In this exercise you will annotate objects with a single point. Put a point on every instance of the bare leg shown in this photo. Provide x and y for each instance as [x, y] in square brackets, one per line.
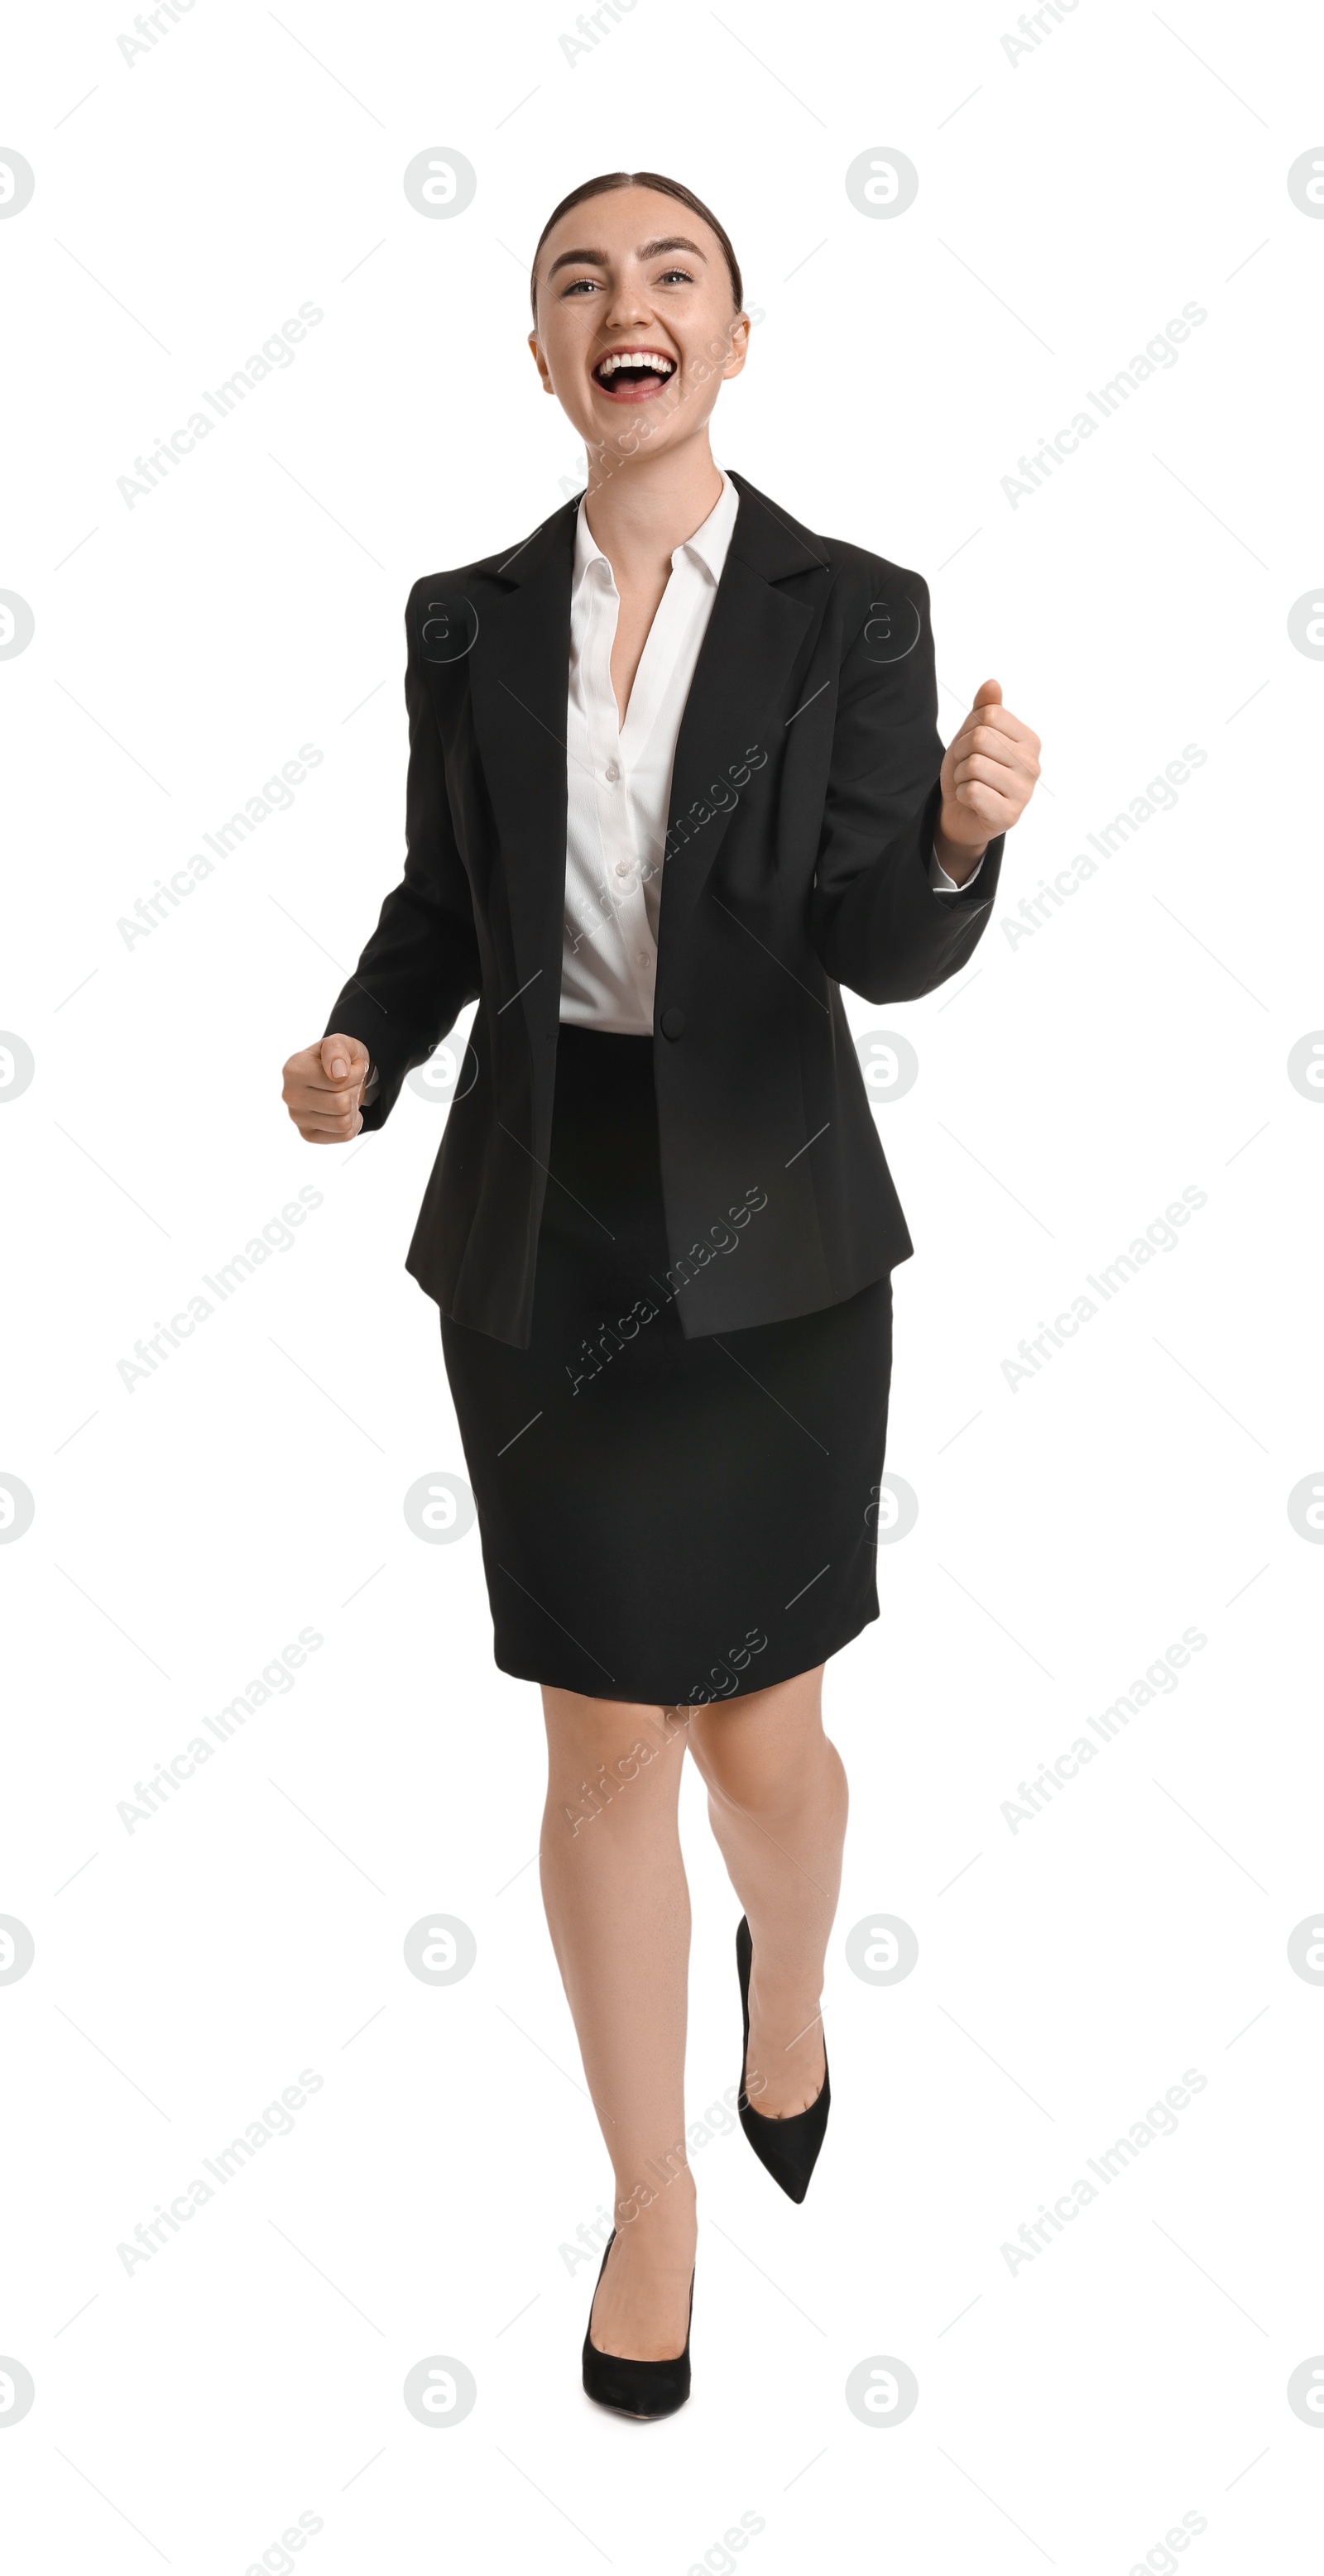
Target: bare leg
[777, 1800]
[618, 1909]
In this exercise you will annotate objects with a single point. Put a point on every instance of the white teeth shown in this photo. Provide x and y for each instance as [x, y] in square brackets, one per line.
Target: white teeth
[636, 358]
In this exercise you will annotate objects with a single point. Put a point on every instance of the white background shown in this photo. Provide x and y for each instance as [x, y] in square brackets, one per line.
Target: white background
[1071, 1084]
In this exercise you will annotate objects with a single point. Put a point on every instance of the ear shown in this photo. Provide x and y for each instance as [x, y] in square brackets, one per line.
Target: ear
[739, 350]
[540, 362]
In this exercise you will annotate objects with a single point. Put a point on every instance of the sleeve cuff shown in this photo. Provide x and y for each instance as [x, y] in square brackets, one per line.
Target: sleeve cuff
[943, 884]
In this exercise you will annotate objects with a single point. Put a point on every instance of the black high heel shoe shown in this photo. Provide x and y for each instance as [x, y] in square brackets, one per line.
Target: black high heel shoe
[787, 2148]
[644, 2389]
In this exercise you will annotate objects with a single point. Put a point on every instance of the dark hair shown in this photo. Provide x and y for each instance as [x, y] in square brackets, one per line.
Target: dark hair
[639, 179]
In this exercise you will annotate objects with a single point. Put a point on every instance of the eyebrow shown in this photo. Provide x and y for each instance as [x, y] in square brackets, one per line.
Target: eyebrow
[648, 250]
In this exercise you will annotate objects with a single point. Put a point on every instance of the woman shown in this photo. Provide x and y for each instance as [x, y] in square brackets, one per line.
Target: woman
[674, 778]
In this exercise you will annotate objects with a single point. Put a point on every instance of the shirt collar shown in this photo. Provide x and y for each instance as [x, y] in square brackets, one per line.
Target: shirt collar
[707, 547]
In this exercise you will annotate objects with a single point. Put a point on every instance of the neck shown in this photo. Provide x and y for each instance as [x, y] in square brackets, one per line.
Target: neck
[640, 508]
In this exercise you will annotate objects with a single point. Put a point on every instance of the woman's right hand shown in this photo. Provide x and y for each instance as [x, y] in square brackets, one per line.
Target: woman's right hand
[322, 1088]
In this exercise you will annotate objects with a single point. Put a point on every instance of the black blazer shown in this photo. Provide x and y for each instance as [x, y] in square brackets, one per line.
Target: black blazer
[803, 803]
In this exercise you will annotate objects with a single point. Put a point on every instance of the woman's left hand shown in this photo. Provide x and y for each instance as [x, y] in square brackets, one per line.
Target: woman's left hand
[988, 776]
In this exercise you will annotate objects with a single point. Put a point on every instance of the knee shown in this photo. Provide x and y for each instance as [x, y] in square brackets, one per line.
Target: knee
[598, 1748]
[743, 1772]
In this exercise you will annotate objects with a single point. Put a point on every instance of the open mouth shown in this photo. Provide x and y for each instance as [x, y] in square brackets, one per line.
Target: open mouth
[633, 375]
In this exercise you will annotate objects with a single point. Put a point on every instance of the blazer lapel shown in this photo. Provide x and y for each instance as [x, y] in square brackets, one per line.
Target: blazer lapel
[737, 705]
[519, 677]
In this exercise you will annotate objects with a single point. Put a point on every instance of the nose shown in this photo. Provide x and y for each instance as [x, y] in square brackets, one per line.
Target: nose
[626, 305]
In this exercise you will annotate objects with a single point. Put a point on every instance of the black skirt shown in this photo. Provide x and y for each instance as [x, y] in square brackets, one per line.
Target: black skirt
[663, 1520]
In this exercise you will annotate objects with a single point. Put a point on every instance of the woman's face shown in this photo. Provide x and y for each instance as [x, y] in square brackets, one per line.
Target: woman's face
[634, 274]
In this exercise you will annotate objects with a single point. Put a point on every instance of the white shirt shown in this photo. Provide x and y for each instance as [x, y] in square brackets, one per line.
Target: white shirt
[618, 776]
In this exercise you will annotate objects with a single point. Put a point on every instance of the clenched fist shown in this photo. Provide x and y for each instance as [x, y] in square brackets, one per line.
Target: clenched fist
[322, 1089]
[988, 778]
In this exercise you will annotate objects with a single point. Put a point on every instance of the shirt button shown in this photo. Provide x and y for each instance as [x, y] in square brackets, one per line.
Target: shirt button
[622, 867]
[613, 774]
[642, 958]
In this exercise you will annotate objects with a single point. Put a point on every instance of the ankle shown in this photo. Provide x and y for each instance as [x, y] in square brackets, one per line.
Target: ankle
[788, 2005]
[658, 2216]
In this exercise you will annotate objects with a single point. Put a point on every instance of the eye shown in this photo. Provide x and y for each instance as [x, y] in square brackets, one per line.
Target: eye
[676, 276]
[582, 284]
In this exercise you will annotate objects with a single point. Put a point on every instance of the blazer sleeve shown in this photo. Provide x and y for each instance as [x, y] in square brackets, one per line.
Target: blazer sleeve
[421, 965]
[876, 922]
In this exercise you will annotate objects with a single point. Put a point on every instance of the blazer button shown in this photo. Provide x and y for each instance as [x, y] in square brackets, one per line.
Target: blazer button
[673, 1023]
